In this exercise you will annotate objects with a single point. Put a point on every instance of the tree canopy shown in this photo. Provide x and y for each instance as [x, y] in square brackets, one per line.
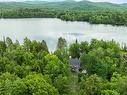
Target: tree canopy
[30, 69]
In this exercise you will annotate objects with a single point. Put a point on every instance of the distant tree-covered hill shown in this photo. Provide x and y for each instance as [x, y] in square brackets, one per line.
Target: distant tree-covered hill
[66, 5]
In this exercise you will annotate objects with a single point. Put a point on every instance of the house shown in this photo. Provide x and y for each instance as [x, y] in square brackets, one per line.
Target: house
[74, 64]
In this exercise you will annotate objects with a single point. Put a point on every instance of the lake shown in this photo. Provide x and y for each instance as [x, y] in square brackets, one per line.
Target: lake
[50, 29]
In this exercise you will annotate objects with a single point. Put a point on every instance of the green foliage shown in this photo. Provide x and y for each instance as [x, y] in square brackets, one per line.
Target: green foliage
[29, 69]
[9, 41]
[11, 85]
[36, 85]
[62, 84]
[55, 67]
[35, 46]
[2, 47]
[109, 92]
[95, 13]
[102, 59]
[30, 85]
[120, 82]
[61, 43]
[63, 54]
[75, 50]
[91, 85]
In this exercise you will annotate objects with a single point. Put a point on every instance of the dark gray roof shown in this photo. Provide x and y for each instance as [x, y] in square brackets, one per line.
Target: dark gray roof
[74, 62]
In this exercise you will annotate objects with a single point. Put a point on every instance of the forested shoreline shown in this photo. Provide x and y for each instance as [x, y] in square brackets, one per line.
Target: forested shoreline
[93, 17]
[94, 13]
[29, 69]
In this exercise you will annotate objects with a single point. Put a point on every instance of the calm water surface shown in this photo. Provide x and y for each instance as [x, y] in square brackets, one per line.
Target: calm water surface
[50, 30]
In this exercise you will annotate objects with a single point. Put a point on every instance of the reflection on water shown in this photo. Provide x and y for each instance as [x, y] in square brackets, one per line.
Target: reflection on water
[50, 30]
[74, 34]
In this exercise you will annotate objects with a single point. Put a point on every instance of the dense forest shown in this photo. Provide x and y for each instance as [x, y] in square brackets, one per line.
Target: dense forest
[95, 13]
[30, 69]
